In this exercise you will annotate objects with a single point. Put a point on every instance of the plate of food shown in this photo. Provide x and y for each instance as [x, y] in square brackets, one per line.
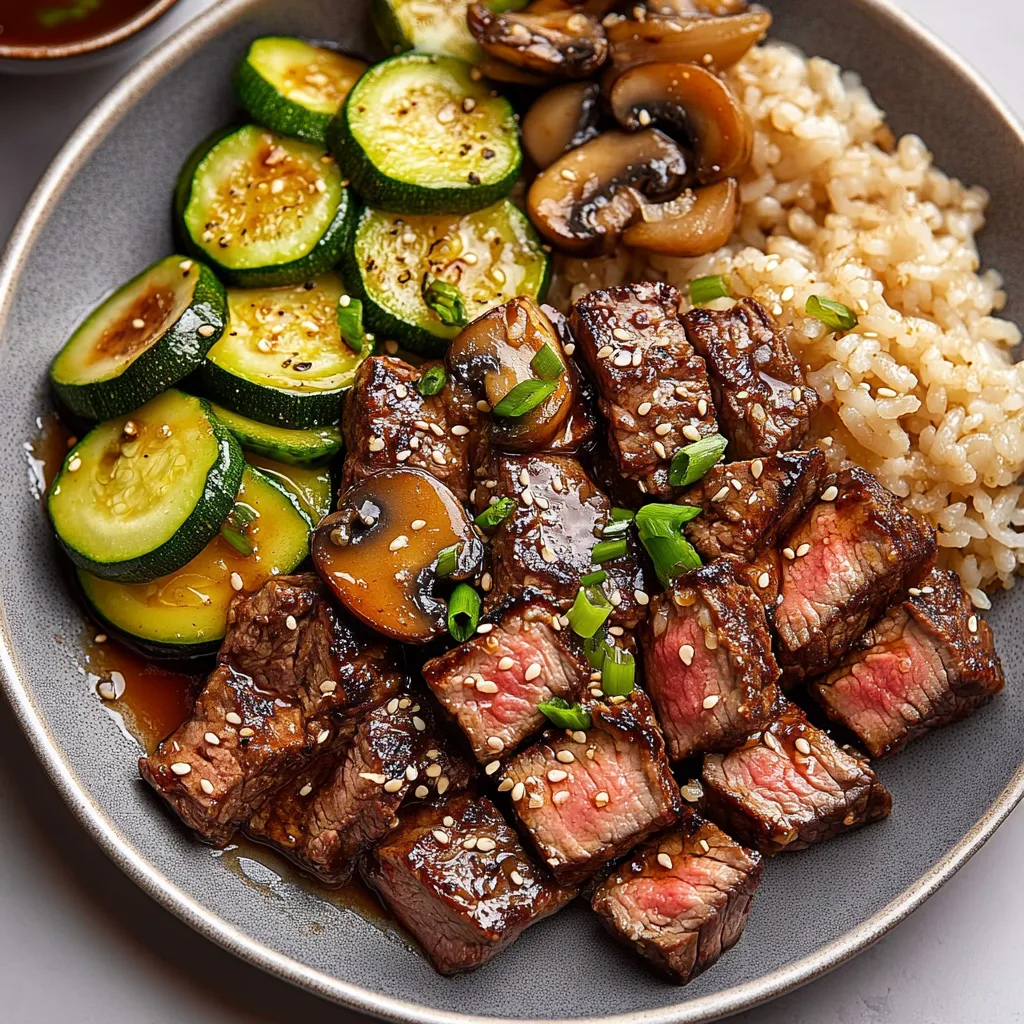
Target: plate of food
[522, 500]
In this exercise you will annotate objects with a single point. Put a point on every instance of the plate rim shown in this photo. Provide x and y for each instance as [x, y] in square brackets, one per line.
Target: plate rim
[86, 138]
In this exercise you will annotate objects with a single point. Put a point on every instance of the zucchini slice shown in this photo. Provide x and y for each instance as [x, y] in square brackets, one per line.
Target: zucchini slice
[310, 486]
[418, 135]
[294, 87]
[293, 447]
[141, 495]
[490, 256]
[184, 614]
[261, 208]
[283, 360]
[151, 333]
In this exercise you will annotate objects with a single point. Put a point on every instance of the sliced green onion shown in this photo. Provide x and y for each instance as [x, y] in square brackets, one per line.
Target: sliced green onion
[832, 314]
[689, 464]
[526, 395]
[659, 528]
[546, 364]
[350, 322]
[432, 381]
[463, 612]
[589, 611]
[707, 289]
[612, 530]
[593, 578]
[621, 515]
[618, 674]
[563, 714]
[445, 300]
[607, 550]
[494, 515]
[447, 560]
[238, 520]
[674, 515]
[596, 647]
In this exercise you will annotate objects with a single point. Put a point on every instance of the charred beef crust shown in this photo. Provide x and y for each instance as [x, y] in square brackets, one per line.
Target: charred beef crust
[622, 758]
[681, 913]
[748, 506]
[861, 552]
[707, 639]
[763, 576]
[920, 667]
[790, 786]
[764, 404]
[636, 352]
[455, 874]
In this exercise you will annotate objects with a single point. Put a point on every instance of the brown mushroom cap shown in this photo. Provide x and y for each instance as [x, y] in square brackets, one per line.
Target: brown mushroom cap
[558, 43]
[583, 202]
[694, 100]
[694, 224]
[689, 8]
[382, 564]
[562, 119]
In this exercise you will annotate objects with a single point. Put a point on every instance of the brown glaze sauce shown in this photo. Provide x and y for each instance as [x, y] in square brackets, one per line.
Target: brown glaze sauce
[51, 22]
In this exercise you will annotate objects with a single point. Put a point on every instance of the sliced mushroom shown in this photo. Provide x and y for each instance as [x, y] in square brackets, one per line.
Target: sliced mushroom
[559, 43]
[560, 120]
[694, 224]
[717, 42]
[583, 202]
[499, 71]
[689, 8]
[494, 354]
[378, 553]
[694, 101]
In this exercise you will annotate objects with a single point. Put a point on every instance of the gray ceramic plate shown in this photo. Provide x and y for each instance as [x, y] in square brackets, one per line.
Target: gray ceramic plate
[102, 212]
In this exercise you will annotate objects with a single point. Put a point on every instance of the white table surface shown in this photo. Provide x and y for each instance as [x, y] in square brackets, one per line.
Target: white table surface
[79, 943]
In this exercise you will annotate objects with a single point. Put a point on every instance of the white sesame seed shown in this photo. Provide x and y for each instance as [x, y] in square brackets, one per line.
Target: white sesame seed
[531, 672]
[526, 497]
[763, 580]
[802, 550]
[442, 785]
[691, 432]
[291, 623]
[802, 745]
[421, 792]
[403, 455]
[604, 352]
[686, 654]
[662, 429]
[665, 861]
[972, 623]
[557, 775]
[554, 861]
[566, 756]
[75, 465]
[721, 493]
[735, 484]
[412, 773]
[236, 581]
[643, 408]
[487, 686]
[570, 349]
[213, 739]
[547, 554]
[660, 450]
[568, 173]
[830, 493]
[437, 457]
[418, 724]
[393, 785]
[374, 777]
[441, 836]
[710, 641]
[417, 524]
[756, 469]
[485, 844]
[560, 797]
[506, 663]
[622, 358]
[181, 768]
[495, 743]
[641, 597]
[185, 265]
[620, 334]
[492, 767]
[789, 553]
[100, 638]
[459, 430]
[711, 701]
[601, 799]
[401, 541]
[704, 845]
[233, 718]
[796, 394]
[206, 786]
[323, 736]
[515, 878]
[433, 771]
[518, 791]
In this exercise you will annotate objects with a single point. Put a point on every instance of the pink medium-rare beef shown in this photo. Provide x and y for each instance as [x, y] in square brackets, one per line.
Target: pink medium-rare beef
[764, 404]
[652, 387]
[456, 875]
[682, 899]
[491, 684]
[708, 661]
[854, 553]
[790, 786]
[545, 545]
[748, 506]
[295, 677]
[586, 797]
[928, 662]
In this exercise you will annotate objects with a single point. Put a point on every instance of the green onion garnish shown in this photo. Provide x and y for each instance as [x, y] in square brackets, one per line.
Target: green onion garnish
[463, 612]
[606, 550]
[238, 520]
[616, 529]
[589, 611]
[496, 514]
[707, 289]
[689, 464]
[432, 381]
[595, 647]
[447, 560]
[445, 300]
[621, 515]
[659, 528]
[563, 714]
[618, 674]
[546, 364]
[350, 322]
[526, 395]
[593, 578]
[832, 314]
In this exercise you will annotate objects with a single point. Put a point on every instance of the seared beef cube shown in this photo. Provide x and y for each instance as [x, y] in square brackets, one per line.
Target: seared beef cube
[652, 388]
[748, 506]
[458, 878]
[545, 546]
[764, 404]
[763, 576]
[930, 661]
[790, 786]
[708, 661]
[682, 900]
[491, 685]
[855, 552]
[587, 797]
[388, 423]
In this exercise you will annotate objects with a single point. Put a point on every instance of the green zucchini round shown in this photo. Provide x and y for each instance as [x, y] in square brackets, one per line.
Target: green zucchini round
[310, 486]
[311, 447]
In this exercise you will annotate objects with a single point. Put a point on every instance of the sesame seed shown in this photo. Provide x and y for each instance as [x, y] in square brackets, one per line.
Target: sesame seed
[691, 432]
[392, 706]
[735, 484]
[492, 767]
[100, 638]
[441, 836]
[495, 743]
[526, 497]
[185, 265]
[560, 797]
[486, 582]
[686, 654]
[692, 791]
[233, 718]
[565, 756]
[644, 118]
[604, 352]
[641, 597]
[802, 550]
[643, 408]
[433, 771]
[662, 429]
[532, 672]
[660, 450]
[710, 641]
[742, 394]
[518, 791]
[789, 553]
[802, 745]
[483, 406]
[721, 493]
[579, 736]
[506, 663]
[515, 878]
[830, 493]
[665, 861]
[485, 844]
[459, 430]
[412, 773]
[622, 358]
[710, 702]
[75, 465]
[181, 768]
[323, 736]
[620, 334]
[213, 739]
[442, 785]
[771, 742]
[403, 455]
[236, 581]
[557, 775]
[704, 845]
[291, 623]
[393, 785]
[756, 469]
[601, 799]
[554, 861]
[568, 174]
[548, 555]
[436, 429]
[505, 785]
[796, 394]
[972, 623]
[246, 732]
[206, 786]
[421, 792]
[401, 541]
[487, 686]
[418, 524]
[763, 580]
[914, 592]
[418, 724]
[437, 457]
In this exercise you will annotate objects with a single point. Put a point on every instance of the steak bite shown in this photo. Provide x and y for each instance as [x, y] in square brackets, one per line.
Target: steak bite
[928, 662]
[458, 878]
[682, 899]
[854, 553]
[491, 685]
[586, 797]
[708, 661]
[748, 506]
[790, 786]
[764, 404]
[545, 545]
[652, 387]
